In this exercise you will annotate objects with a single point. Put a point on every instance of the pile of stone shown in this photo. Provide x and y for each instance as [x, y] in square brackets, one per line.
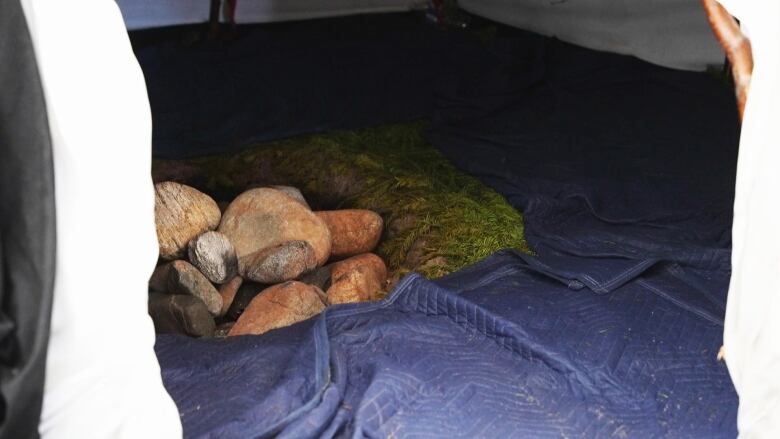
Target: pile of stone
[266, 262]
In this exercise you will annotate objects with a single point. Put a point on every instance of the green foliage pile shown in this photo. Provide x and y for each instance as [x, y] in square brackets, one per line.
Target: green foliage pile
[438, 218]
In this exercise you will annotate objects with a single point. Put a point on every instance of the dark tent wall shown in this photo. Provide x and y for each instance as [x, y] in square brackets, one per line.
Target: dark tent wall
[672, 33]
[282, 79]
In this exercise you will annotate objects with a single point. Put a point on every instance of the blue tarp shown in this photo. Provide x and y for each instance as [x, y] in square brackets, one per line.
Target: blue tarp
[494, 351]
[625, 173]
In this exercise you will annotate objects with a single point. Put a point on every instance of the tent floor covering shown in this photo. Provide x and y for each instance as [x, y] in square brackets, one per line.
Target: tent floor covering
[624, 172]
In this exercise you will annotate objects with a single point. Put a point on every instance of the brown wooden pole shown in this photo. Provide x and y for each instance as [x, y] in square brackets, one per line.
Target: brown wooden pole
[740, 55]
[737, 47]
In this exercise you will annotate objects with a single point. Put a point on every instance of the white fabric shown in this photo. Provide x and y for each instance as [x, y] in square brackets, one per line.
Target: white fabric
[141, 14]
[102, 377]
[672, 33]
[263, 11]
[752, 332]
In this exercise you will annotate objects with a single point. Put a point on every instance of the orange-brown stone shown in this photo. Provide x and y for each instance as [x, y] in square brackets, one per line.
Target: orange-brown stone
[264, 217]
[279, 306]
[356, 279]
[352, 231]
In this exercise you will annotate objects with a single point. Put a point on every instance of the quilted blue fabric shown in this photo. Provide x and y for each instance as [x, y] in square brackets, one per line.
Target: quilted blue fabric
[625, 172]
[496, 350]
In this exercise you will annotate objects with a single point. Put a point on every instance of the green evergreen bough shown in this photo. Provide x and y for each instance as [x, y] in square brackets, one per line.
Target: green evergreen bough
[438, 219]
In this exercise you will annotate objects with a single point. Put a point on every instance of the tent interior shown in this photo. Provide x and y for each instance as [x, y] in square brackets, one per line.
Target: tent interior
[556, 181]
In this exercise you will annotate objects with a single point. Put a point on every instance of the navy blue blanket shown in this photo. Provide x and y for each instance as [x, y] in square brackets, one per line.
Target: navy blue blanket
[625, 172]
[608, 157]
[496, 350]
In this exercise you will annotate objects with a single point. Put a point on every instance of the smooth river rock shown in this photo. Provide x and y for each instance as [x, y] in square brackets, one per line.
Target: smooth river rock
[263, 217]
[279, 306]
[280, 263]
[181, 213]
[180, 314]
[352, 231]
[184, 278]
[356, 279]
[214, 255]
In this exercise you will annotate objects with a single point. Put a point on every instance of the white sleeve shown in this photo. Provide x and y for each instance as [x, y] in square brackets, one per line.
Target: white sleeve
[752, 329]
[102, 376]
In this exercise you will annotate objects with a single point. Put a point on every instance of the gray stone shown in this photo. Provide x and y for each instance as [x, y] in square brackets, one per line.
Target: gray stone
[184, 278]
[180, 314]
[280, 263]
[214, 255]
